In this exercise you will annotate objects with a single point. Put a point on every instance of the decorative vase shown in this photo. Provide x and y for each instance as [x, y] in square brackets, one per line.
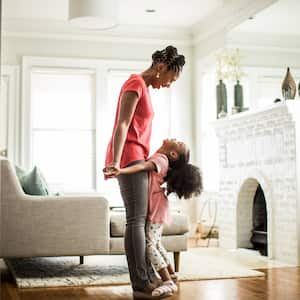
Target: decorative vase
[238, 96]
[288, 86]
[221, 97]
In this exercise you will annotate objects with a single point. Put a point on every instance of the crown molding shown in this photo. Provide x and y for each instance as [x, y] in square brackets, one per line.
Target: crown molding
[62, 30]
[231, 14]
[263, 42]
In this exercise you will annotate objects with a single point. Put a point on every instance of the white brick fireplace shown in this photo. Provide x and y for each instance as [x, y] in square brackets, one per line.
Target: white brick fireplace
[261, 147]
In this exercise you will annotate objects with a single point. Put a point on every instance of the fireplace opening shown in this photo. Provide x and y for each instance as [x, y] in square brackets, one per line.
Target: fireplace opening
[259, 237]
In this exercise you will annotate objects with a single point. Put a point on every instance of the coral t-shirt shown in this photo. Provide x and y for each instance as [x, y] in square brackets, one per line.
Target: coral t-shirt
[137, 143]
[158, 206]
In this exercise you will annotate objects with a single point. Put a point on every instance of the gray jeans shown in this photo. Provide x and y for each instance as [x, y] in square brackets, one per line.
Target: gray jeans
[134, 191]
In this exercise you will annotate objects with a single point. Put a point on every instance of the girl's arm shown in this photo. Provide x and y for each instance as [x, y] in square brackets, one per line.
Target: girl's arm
[143, 166]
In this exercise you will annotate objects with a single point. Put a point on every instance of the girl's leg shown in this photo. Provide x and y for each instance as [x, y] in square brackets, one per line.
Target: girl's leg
[153, 254]
[164, 254]
[153, 234]
[134, 191]
[167, 274]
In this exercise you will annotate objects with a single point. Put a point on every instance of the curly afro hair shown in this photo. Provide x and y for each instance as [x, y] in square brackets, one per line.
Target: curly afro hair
[184, 180]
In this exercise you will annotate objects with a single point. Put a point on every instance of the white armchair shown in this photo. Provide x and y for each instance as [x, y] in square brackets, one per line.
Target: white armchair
[49, 225]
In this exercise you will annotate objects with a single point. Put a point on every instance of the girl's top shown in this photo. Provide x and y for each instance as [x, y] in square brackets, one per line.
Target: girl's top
[137, 143]
[158, 206]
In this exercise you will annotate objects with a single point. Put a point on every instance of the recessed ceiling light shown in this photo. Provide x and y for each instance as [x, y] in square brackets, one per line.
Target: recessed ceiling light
[150, 10]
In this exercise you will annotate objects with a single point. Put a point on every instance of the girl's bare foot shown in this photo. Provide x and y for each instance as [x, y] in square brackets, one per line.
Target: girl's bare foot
[174, 277]
[156, 282]
[167, 288]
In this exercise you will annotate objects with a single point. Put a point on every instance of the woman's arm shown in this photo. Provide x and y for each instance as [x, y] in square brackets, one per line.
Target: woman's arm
[127, 108]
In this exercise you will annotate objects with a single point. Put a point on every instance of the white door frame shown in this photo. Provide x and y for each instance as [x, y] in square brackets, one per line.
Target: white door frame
[11, 74]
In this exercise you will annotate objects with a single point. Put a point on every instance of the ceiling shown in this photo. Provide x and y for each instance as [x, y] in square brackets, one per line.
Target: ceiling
[281, 18]
[180, 20]
[169, 13]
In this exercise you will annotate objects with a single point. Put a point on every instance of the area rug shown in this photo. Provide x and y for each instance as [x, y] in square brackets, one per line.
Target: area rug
[247, 258]
[112, 270]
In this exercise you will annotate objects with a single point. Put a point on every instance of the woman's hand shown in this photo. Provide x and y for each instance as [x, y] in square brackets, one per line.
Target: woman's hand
[111, 171]
[113, 164]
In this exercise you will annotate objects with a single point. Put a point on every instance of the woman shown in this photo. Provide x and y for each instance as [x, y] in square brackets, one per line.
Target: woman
[129, 145]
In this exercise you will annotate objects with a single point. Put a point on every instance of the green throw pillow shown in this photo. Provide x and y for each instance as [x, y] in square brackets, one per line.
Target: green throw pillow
[20, 172]
[33, 183]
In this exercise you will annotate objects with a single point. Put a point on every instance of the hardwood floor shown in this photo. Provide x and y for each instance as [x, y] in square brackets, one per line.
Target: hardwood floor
[279, 284]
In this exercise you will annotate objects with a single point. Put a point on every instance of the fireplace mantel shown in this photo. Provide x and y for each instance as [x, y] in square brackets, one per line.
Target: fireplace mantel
[261, 147]
[290, 106]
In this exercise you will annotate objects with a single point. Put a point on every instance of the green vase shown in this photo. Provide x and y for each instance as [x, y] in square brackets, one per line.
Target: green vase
[238, 95]
[221, 96]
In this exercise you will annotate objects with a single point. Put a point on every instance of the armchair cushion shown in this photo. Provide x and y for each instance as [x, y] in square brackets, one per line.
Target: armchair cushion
[178, 226]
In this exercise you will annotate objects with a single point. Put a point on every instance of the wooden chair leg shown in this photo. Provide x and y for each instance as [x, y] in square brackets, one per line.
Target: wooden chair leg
[81, 260]
[176, 260]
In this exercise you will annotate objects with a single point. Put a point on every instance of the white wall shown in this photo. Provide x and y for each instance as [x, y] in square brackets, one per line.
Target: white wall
[271, 58]
[266, 50]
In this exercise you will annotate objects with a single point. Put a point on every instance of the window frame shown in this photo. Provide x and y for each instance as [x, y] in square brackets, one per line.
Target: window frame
[101, 69]
[11, 73]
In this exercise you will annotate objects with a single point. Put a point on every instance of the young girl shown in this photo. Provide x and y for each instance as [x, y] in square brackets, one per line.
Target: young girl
[169, 165]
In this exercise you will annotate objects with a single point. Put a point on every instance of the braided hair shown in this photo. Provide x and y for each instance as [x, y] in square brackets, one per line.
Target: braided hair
[170, 57]
[183, 178]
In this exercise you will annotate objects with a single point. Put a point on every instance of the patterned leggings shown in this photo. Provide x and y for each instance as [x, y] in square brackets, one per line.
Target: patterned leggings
[156, 253]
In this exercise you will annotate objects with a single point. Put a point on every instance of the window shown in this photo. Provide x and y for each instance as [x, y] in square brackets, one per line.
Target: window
[161, 126]
[63, 127]
[68, 115]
